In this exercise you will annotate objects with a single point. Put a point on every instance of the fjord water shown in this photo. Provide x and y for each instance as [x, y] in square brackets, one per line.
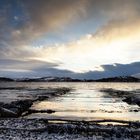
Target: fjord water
[85, 102]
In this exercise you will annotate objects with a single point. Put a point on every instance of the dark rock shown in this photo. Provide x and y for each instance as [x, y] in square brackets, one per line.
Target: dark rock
[7, 113]
[117, 93]
[16, 107]
[50, 111]
[31, 111]
[118, 135]
[132, 100]
[4, 79]
[22, 105]
[42, 97]
[1, 104]
[135, 110]
[128, 100]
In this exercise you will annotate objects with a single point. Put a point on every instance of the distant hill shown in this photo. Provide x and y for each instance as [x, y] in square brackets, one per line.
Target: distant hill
[68, 79]
[119, 79]
[4, 79]
[137, 75]
[50, 79]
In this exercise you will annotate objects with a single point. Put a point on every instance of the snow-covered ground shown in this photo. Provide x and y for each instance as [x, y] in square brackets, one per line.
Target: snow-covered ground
[39, 129]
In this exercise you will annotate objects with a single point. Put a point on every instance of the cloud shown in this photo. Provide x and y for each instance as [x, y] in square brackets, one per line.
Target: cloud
[35, 18]
[13, 65]
[43, 70]
[24, 21]
[113, 70]
[30, 68]
[116, 41]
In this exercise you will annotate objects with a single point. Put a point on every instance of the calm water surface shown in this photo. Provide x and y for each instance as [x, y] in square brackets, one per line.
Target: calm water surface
[86, 102]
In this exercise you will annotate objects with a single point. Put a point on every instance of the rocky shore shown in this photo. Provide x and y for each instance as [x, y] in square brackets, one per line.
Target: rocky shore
[18, 108]
[41, 129]
[130, 97]
[14, 125]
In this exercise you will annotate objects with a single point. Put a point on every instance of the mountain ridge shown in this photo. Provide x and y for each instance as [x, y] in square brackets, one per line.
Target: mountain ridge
[69, 79]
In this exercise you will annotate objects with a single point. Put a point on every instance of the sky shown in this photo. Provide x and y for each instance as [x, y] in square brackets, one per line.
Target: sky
[77, 38]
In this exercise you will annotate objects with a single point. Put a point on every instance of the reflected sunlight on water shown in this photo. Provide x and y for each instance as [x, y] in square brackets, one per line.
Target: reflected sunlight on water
[85, 101]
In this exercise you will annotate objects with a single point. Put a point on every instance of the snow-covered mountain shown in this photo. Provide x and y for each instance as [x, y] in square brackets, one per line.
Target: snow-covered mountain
[49, 79]
[134, 78]
[136, 75]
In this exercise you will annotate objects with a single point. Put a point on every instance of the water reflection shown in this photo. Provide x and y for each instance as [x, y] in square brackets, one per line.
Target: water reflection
[87, 102]
[84, 102]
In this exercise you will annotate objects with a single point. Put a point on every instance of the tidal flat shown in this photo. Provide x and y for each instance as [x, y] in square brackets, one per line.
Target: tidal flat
[69, 110]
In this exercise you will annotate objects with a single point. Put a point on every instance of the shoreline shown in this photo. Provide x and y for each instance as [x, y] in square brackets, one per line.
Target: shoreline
[35, 129]
[18, 127]
[22, 107]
